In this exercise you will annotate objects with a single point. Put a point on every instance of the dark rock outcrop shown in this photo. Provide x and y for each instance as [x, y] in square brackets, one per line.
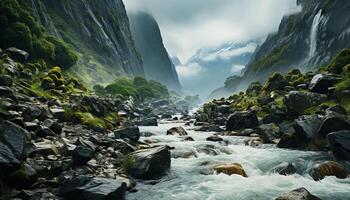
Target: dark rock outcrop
[242, 120]
[298, 194]
[176, 130]
[297, 101]
[340, 144]
[132, 133]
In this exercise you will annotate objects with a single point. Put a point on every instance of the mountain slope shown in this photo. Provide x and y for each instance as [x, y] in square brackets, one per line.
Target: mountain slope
[306, 40]
[99, 30]
[148, 41]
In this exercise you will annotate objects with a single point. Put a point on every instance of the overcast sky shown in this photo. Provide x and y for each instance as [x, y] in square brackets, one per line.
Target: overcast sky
[189, 25]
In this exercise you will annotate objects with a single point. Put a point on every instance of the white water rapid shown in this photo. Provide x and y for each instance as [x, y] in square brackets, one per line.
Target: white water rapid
[188, 179]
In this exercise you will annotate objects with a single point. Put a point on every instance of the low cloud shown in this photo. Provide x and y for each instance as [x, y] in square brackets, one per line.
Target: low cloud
[189, 70]
[227, 53]
[236, 69]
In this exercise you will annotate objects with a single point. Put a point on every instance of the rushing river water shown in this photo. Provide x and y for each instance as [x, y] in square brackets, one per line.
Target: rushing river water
[188, 178]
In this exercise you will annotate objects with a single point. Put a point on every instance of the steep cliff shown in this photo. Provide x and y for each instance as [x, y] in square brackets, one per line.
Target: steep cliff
[99, 30]
[148, 40]
[306, 40]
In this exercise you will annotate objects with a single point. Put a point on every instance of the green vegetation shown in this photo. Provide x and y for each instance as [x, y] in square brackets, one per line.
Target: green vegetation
[128, 162]
[138, 88]
[339, 62]
[20, 29]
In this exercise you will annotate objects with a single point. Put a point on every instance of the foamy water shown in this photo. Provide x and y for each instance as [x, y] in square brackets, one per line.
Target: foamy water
[188, 179]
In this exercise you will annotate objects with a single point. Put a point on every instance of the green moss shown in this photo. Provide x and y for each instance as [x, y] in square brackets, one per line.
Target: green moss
[339, 62]
[343, 85]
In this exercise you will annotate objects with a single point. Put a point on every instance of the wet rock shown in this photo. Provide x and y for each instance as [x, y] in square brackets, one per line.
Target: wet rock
[82, 155]
[298, 194]
[329, 168]
[17, 54]
[215, 138]
[188, 139]
[298, 101]
[148, 122]
[33, 112]
[338, 109]
[242, 120]
[150, 163]
[31, 126]
[333, 122]
[230, 169]
[166, 116]
[43, 131]
[269, 132]
[293, 139]
[224, 109]
[320, 83]
[340, 144]
[44, 149]
[247, 132]
[132, 133]
[285, 169]
[177, 130]
[22, 178]
[5, 80]
[12, 145]
[123, 146]
[98, 106]
[86, 188]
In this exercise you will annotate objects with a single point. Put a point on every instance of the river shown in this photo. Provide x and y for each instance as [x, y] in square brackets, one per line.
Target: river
[188, 178]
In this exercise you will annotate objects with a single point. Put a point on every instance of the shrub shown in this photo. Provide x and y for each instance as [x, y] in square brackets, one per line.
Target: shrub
[64, 55]
[44, 49]
[339, 62]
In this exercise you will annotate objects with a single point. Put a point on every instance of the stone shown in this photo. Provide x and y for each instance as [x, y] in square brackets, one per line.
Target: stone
[269, 132]
[255, 86]
[320, 83]
[293, 139]
[53, 126]
[17, 54]
[328, 168]
[340, 144]
[87, 188]
[177, 130]
[215, 138]
[210, 128]
[230, 169]
[242, 120]
[276, 82]
[150, 163]
[43, 131]
[337, 109]
[148, 122]
[247, 132]
[298, 101]
[5, 80]
[123, 146]
[298, 194]
[132, 133]
[284, 169]
[44, 149]
[82, 155]
[333, 122]
[12, 145]
[58, 113]
[224, 109]
[7, 92]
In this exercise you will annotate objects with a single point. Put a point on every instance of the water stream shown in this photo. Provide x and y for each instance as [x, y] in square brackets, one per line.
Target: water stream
[188, 178]
[314, 34]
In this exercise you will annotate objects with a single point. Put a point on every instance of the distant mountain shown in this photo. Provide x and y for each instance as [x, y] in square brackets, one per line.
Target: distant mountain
[148, 40]
[216, 64]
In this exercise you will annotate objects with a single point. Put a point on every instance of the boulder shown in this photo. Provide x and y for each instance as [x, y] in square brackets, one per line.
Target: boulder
[97, 105]
[269, 132]
[53, 126]
[276, 82]
[293, 139]
[224, 109]
[215, 138]
[12, 145]
[148, 122]
[58, 113]
[132, 133]
[17, 54]
[321, 82]
[337, 109]
[82, 155]
[328, 168]
[123, 146]
[284, 169]
[210, 128]
[87, 188]
[298, 101]
[150, 163]
[230, 169]
[242, 120]
[333, 122]
[5, 80]
[255, 86]
[298, 194]
[33, 112]
[340, 144]
[7, 92]
[177, 130]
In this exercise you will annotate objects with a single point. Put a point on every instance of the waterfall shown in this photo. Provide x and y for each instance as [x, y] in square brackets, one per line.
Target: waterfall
[314, 34]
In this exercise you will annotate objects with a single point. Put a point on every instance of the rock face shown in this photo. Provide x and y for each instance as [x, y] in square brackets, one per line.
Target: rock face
[297, 101]
[298, 194]
[100, 28]
[230, 169]
[148, 41]
[329, 168]
[150, 163]
[300, 38]
[242, 120]
[340, 144]
[12, 145]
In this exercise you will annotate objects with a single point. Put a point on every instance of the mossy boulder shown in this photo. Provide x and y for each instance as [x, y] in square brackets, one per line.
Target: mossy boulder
[339, 62]
[47, 83]
[275, 82]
